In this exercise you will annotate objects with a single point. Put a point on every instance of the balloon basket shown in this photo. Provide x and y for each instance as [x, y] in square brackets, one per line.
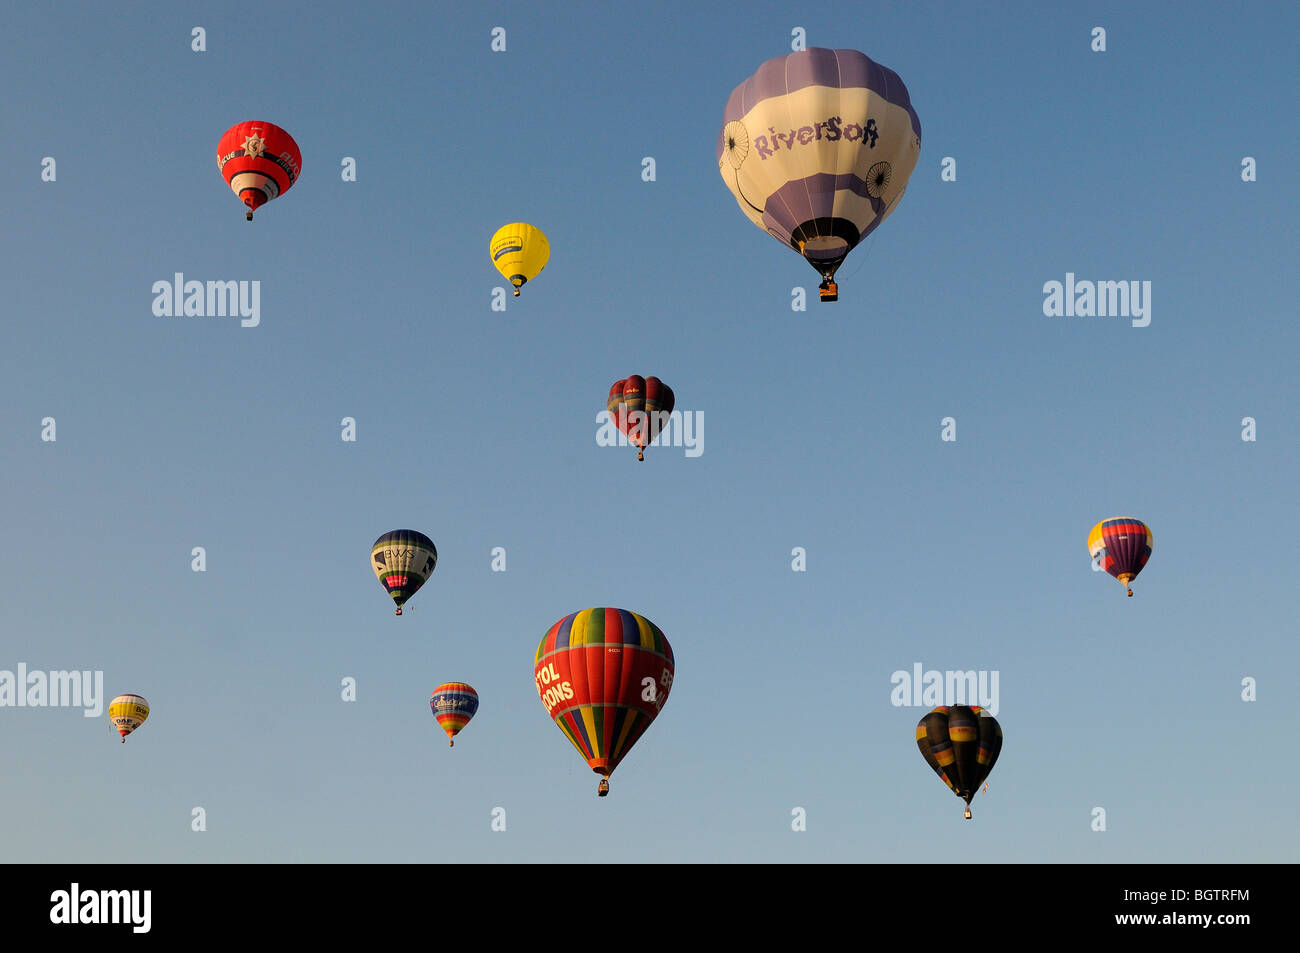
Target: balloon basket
[830, 291]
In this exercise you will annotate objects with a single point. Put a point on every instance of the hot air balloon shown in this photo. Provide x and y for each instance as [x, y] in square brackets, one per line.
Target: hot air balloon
[520, 251]
[127, 713]
[259, 161]
[640, 407]
[817, 148]
[1121, 546]
[403, 560]
[603, 675]
[961, 743]
[453, 704]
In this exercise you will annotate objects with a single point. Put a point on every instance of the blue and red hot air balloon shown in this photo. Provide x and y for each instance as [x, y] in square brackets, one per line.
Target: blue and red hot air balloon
[453, 704]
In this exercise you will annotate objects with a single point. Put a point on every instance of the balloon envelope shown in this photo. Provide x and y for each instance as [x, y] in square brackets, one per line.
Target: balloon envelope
[1121, 546]
[127, 713]
[453, 704]
[640, 407]
[961, 743]
[603, 675]
[817, 148]
[259, 161]
[403, 561]
[520, 251]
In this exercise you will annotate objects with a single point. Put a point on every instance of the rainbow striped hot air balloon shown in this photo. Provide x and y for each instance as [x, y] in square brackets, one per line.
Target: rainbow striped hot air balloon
[961, 743]
[453, 704]
[1121, 546]
[603, 675]
[127, 713]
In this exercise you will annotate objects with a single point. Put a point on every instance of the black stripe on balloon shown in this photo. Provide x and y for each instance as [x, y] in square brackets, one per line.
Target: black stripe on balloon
[288, 170]
[990, 739]
[739, 192]
[268, 173]
[621, 715]
[822, 227]
[965, 753]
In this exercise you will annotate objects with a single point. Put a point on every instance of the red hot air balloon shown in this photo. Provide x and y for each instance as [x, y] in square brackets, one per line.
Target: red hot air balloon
[259, 161]
[640, 407]
[603, 675]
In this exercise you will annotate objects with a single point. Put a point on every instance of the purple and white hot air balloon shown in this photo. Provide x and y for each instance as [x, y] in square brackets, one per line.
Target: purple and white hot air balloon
[817, 148]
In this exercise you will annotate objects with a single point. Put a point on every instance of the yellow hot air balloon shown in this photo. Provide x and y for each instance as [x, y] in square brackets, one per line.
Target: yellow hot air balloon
[127, 713]
[520, 251]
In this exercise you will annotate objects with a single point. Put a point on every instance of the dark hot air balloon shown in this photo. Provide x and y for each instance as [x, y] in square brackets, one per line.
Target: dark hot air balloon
[403, 560]
[961, 743]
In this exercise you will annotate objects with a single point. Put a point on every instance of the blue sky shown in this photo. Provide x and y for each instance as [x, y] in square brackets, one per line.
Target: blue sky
[478, 428]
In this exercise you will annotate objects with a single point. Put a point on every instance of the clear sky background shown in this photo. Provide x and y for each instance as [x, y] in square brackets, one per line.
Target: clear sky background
[478, 428]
